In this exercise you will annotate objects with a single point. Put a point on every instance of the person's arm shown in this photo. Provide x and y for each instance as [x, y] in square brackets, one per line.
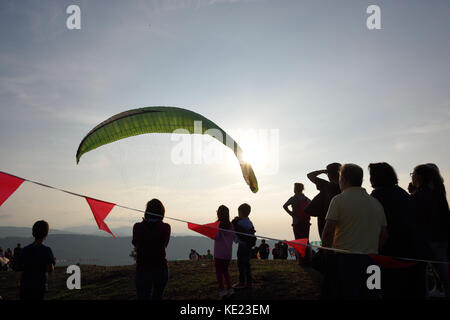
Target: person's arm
[286, 207]
[313, 175]
[167, 236]
[328, 233]
[331, 218]
[50, 268]
[383, 238]
[51, 260]
[411, 188]
[134, 240]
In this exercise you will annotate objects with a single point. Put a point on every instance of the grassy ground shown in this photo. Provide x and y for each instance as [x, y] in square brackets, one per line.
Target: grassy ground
[273, 280]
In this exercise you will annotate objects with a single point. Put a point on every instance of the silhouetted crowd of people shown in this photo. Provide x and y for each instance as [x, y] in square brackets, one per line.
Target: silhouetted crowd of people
[263, 251]
[353, 224]
[10, 260]
[390, 222]
[195, 256]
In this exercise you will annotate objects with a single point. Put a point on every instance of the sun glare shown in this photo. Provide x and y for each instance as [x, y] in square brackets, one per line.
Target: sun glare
[255, 156]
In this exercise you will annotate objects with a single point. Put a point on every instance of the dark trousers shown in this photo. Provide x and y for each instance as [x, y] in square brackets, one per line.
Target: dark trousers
[150, 284]
[301, 231]
[222, 272]
[32, 294]
[404, 283]
[346, 278]
[321, 225]
[243, 260]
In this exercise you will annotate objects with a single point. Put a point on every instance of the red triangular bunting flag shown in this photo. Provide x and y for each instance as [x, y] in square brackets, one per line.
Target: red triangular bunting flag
[210, 230]
[299, 245]
[8, 184]
[390, 263]
[101, 209]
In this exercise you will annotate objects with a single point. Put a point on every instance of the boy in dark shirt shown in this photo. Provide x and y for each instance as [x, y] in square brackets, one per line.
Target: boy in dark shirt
[36, 260]
[242, 224]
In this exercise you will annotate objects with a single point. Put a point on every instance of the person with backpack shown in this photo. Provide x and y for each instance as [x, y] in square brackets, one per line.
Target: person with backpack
[246, 241]
[300, 220]
[223, 247]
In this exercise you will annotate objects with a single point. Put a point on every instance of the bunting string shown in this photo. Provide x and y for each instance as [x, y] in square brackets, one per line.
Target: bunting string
[10, 183]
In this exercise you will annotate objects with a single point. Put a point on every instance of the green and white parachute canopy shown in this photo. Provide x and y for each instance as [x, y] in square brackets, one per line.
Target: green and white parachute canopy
[160, 120]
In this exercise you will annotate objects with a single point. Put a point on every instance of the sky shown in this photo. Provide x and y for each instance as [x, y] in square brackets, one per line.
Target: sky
[299, 84]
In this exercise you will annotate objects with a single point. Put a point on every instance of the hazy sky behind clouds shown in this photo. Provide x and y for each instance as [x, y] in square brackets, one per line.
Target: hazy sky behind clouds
[311, 69]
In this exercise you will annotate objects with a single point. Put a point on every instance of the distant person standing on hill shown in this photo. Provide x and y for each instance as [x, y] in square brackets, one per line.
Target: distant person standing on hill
[223, 247]
[16, 256]
[9, 256]
[194, 256]
[318, 207]
[300, 219]
[263, 250]
[284, 250]
[254, 253]
[209, 256]
[3, 261]
[151, 237]
[36, 262]
[276, 253]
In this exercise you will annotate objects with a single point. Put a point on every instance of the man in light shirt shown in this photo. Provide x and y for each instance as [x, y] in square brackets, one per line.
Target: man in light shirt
[356, 223]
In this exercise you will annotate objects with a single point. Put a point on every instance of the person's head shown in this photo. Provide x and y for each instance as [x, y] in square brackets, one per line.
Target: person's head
[40, 230]
[263, 241]
[426, 175]
[436, 168]
[209, 251]
[244, 210]
[19, 245]
[155, 210]
[333, 172]
[350, 175]
[298, 188]
[223, 215]
[382, 175]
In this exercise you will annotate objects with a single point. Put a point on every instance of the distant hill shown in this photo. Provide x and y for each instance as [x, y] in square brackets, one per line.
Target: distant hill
[25, 232]
[70, 248]
[124, 231]
[107, 251]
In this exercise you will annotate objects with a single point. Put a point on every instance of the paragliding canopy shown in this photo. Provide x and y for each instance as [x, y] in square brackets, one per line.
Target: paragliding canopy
[160, 120]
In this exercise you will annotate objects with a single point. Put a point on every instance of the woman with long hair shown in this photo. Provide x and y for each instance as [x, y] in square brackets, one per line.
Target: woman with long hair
[403, 238]
[430, 200]
[150, 238]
